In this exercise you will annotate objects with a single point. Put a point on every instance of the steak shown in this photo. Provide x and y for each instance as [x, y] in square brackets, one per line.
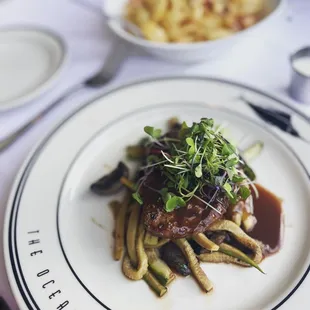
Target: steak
[185, 221]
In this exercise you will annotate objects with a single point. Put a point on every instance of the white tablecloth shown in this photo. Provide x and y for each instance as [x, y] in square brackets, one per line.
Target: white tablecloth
[259, 61]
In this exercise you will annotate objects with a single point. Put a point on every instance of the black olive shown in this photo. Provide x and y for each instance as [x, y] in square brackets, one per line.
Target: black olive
[110, 183]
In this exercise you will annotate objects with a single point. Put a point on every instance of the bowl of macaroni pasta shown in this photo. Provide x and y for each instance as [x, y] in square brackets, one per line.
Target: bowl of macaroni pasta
[189, 31]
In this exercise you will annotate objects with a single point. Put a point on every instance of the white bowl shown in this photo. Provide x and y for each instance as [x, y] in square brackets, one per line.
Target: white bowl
[189, 53]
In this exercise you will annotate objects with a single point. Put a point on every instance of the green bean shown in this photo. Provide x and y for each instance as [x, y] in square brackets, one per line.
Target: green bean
[159, 268]
[154, 284]
[230, 255]
[231, 251]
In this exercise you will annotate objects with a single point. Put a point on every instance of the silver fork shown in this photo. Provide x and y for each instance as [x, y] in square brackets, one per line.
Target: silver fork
[110, 68]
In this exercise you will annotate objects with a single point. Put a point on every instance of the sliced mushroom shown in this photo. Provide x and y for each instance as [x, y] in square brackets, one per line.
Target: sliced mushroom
[110, 183]
[175, 259]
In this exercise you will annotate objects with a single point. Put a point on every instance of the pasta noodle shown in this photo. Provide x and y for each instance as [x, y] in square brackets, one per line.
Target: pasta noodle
[192, 20]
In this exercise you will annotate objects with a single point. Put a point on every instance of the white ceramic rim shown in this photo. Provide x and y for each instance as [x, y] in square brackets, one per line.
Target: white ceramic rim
[187, 46]
[31, 159]
[23, 100]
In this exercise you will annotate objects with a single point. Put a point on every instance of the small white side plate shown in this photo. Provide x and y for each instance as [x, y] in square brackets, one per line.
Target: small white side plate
[30, 60]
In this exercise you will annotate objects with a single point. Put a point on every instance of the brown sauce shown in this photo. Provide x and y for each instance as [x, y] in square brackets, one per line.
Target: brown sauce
[269, 215]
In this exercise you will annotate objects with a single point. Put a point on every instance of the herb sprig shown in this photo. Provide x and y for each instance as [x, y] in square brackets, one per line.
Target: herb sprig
[199, 157]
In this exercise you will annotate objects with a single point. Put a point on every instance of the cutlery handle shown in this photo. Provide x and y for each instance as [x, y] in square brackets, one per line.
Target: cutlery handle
[6, 142]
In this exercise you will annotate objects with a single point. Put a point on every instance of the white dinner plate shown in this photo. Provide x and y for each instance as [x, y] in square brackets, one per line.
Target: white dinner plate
[58, 258]
[30, 61]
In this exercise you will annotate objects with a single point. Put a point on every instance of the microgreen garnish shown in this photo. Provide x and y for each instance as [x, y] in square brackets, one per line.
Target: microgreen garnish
[134, 188]
[197, 157]
[171, 200]
[151, 131]
[244, 192]
[173, 203]
[228, 189]
[136, 196]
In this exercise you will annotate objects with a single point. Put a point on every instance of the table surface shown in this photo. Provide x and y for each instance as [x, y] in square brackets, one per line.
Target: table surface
[261, 61]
